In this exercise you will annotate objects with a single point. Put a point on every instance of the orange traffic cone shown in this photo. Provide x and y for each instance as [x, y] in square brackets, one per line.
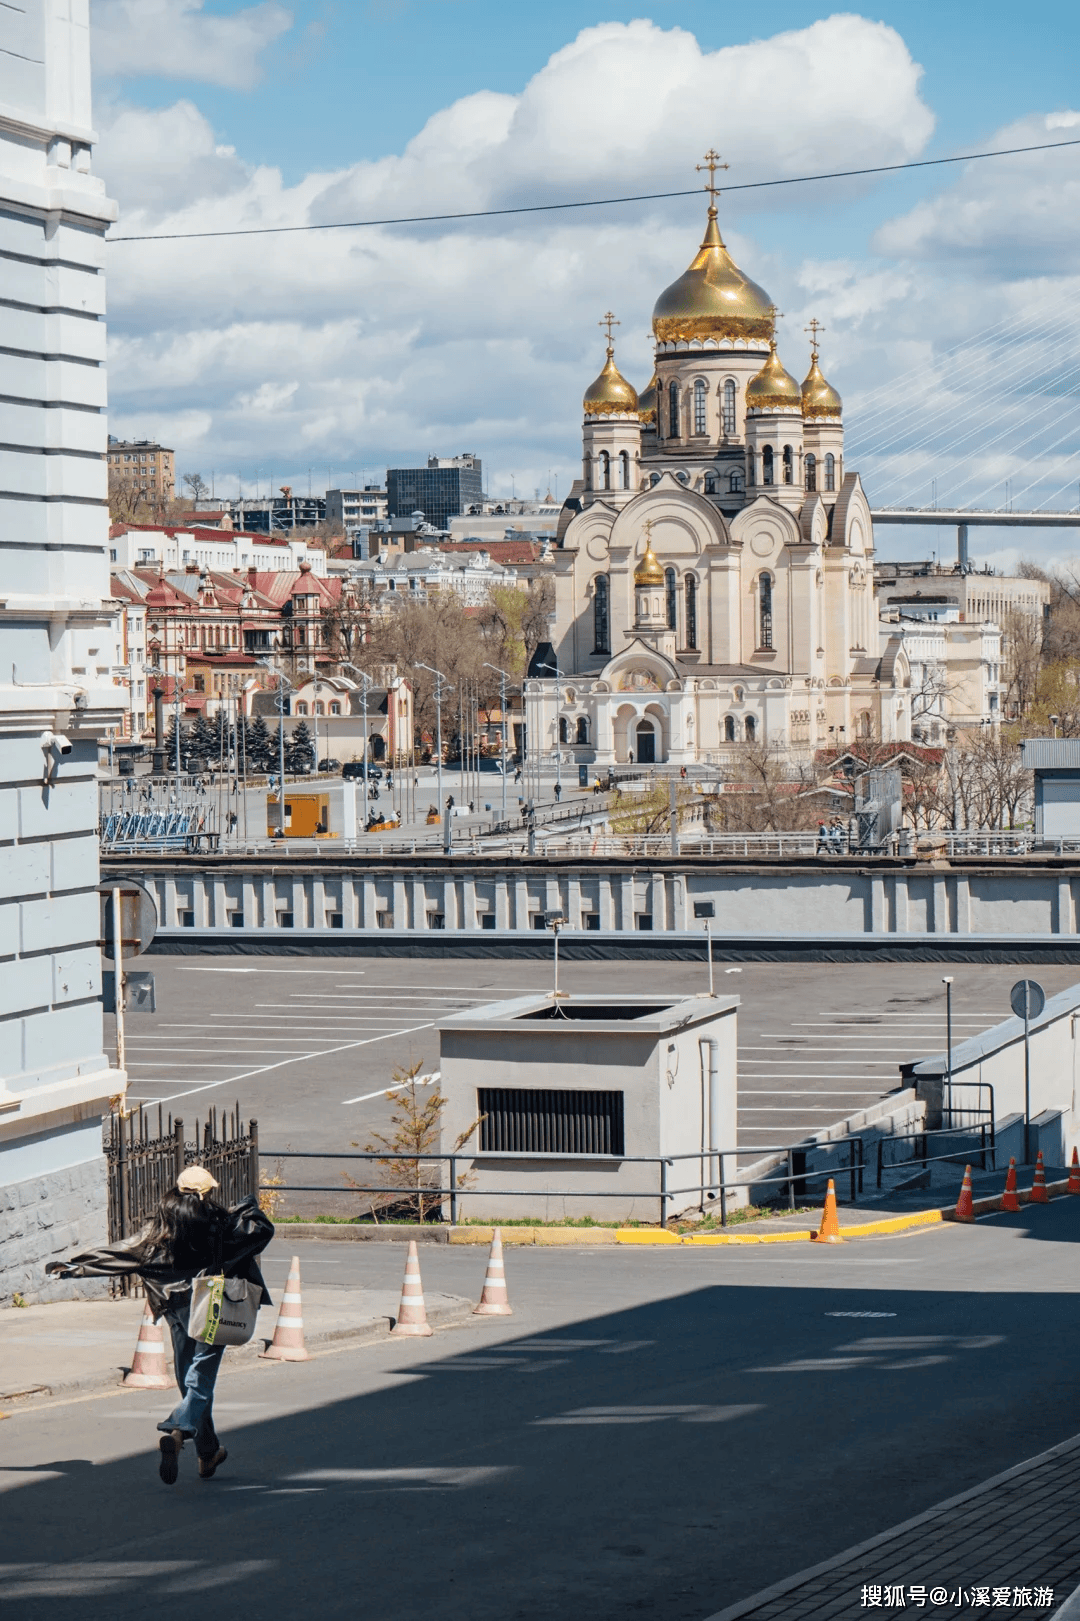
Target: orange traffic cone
[494, 1301]
[964, 1210]
[829, 1231]
[148, 1370]
[1038, 1194]
[287, 1344]
[1074, 1174]
[412, 1317]
[1009, 1200]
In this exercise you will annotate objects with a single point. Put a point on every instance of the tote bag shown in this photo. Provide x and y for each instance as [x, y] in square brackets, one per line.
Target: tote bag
[223, 1310]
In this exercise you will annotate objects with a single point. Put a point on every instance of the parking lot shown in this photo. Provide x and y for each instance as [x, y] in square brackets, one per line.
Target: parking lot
[308, 1046]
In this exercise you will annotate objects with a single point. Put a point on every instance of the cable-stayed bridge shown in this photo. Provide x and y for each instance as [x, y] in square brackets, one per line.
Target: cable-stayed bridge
[960, 518]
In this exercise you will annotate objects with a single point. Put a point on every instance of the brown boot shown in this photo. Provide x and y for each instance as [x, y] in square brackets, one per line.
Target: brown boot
[171, 1446]
[210, 1462]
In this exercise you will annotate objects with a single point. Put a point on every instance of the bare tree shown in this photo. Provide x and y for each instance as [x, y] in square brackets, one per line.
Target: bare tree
[516, 619]
[196, 486]
[770, 793]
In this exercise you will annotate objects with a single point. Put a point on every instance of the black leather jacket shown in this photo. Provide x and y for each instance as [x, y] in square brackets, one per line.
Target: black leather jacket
[246, 1234]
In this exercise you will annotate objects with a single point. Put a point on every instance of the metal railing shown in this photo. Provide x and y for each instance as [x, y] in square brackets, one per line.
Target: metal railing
[714, 1183]
[958, 1117]
[986, 1145]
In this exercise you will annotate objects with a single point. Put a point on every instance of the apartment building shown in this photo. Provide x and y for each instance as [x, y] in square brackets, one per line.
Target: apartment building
[149, 467]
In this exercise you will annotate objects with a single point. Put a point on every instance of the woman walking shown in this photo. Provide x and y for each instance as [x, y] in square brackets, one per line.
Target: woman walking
[190, 1233]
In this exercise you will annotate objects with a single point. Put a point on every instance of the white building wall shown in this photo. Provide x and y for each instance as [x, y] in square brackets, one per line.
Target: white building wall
[175, 548]
[57, 644]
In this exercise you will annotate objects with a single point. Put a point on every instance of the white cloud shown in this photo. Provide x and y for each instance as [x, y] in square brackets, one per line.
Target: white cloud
[358, 347]
[176, 39]
[1003, 216]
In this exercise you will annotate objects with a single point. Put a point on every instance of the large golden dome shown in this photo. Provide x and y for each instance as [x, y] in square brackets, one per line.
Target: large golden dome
[713, 299]
[819, 398]
[774, 388]
[646, 404]
[610, 393]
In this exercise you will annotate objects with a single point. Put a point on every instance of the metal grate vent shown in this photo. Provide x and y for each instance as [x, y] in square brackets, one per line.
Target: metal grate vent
[523, 1121]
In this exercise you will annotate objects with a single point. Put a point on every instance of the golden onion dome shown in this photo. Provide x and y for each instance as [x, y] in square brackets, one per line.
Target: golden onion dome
[648, 571]
[713, 299]
[611, 393]
[773, 389]
[819, 398]
[647, 401]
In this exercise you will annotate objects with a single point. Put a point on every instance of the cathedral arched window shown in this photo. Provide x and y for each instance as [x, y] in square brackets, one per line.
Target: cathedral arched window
[601, 615]
[673, 409]
[750, 726]
[582, 730]
[700, 392]
[624, 469]
[789, 465]
[710, 484]
[767, 465]
[564, 730]
[729, 728]
[605, 470]
[750, 467]
[811, 471]
[691, 611]
[671, 597]
[735, 482]
[765, 621]
[830, 471]
[728, 415]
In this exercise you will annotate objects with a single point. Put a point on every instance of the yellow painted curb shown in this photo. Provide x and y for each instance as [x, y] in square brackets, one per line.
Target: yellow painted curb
[747, 1238]
[575, 1235]
[646, 1235]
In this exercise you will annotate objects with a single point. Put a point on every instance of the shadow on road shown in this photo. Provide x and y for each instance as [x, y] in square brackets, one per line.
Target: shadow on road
[662, 1461]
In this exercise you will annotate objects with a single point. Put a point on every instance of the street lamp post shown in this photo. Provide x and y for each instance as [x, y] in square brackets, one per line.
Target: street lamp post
[947, 981]
[283, 682]
[368, 682]
[157, 768]
[503, 678]
[558, 734]
[439, 679]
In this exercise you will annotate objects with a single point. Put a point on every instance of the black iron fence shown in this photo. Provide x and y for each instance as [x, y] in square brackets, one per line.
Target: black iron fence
[145, 1157]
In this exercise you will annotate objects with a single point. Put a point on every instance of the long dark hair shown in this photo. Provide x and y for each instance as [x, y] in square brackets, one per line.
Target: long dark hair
[185, 1229]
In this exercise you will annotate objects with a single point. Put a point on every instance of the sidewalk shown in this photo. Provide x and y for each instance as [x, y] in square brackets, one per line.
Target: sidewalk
[73, 1346]
[1011, 1545]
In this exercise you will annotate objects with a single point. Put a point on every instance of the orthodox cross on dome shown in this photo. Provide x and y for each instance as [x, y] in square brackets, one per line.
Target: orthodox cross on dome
[775, 315]
[608, 320]
[814, 328]
[712, 163]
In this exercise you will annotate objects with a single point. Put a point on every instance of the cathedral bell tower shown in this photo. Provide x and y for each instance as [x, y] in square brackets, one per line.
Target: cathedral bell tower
[611, 436]
[823, 430]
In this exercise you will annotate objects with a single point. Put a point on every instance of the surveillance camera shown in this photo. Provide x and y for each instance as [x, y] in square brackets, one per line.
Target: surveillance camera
[81, 700]
[55, 743]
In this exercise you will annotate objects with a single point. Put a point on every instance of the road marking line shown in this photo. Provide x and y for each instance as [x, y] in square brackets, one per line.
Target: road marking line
[328, 1052]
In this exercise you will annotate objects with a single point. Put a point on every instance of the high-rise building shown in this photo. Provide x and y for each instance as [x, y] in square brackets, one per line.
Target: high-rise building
[351, 508]
[442, 490]
[58, 693]
[146, 466]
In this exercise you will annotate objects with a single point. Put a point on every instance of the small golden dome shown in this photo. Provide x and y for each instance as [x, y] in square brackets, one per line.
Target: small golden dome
[819, 398]
[611, 393]
[647, 401]
[713, 299]
[773, 389]
[648, 571]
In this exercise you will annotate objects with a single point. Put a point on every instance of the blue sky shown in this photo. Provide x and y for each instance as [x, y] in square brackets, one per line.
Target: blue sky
[339, 353]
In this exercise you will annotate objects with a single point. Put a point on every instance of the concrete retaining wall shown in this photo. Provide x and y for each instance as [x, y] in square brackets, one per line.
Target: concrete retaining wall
[46, 1218]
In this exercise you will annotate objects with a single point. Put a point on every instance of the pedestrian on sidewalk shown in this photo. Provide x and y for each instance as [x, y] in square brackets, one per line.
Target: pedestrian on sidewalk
[190, 1233]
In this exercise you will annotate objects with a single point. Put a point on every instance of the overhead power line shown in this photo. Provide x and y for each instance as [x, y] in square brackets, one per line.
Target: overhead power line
[595, 202]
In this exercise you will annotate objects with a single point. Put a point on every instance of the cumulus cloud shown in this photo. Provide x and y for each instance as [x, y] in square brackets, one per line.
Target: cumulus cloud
[176, 39]
[1003, 216]
[365, 347]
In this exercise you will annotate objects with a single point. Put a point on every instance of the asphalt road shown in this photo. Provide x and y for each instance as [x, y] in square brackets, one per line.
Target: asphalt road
[308, 1045]
[655, 1433]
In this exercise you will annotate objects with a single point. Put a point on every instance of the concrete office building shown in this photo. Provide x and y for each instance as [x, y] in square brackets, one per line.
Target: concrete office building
[352, 508]
[444, 489]
[144, 464]
[57, 691]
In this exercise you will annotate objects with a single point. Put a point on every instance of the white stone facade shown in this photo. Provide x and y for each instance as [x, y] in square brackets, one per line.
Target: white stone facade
[57, 691]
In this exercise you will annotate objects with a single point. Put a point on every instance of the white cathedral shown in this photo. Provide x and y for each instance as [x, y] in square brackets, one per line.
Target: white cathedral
[714, 575]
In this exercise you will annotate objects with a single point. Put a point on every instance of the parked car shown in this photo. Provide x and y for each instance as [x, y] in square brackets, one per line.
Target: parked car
[329, 765]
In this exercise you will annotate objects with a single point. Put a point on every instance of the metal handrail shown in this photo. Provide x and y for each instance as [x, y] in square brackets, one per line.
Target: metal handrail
[715, 1187]
[929, 1159]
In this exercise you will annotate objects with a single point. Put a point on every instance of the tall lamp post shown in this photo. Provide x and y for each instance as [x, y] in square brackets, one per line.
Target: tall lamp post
[439, 679]
[157, 767]
[283, 682]
[503, 679]
[947, 981]
[368, 683]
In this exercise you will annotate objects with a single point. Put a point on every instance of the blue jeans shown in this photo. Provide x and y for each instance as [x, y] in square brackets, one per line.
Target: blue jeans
[196, 1366]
